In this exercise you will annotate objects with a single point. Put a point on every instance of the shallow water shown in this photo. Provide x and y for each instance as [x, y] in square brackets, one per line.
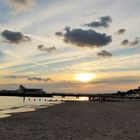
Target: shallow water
[9, 105]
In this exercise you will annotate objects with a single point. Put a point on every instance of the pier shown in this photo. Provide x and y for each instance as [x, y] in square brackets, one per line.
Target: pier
[27, 92]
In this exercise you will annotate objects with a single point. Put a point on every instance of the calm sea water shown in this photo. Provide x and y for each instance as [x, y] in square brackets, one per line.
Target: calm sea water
[9, 105]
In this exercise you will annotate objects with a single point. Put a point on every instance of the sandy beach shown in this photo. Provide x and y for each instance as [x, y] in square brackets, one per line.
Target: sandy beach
[75, 121]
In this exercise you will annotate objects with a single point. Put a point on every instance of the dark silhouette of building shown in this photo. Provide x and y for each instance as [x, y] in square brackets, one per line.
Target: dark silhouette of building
[24, 90]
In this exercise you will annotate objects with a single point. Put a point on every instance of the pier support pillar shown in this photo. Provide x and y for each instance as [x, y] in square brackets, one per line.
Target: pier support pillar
[90, 98]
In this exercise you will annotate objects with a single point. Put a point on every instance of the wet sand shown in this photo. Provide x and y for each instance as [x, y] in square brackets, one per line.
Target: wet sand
[76, 121]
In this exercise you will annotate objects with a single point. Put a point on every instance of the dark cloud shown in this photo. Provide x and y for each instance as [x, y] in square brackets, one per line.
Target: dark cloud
[15, 77]
[39, 79]
[29, 78]
[104, 54]
[14, 37]
[86, 38]
[135, 42]
[21, 5]
[45, 49]
[103, 22]
[59, 34]
[67, 28]
[121, 31]
[126, 42]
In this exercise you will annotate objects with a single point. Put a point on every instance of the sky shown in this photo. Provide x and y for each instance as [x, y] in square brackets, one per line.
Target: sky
[47, 43]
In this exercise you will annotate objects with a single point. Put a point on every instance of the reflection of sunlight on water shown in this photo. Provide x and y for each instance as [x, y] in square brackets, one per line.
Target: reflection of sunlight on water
[4, 115]
[9, 105]
[83, 98]
[8, 112]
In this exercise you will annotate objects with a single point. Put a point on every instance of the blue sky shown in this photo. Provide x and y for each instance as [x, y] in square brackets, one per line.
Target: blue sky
[31, 49]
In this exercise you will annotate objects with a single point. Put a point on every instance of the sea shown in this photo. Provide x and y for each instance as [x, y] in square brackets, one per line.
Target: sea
[10, 105]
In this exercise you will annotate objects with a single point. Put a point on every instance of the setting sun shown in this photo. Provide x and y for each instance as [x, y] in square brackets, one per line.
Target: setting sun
[85, 77]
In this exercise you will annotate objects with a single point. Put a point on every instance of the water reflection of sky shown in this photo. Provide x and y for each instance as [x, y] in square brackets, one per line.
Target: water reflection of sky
[9, 105]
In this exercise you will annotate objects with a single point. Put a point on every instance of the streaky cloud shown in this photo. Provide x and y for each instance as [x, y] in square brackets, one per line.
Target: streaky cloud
[104, 54]
[39, 79]
[29, 78]
[15, 77]
[19, 6]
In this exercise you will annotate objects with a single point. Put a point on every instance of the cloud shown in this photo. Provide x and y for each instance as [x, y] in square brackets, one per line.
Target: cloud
[59, 34]
[121, 31]
[14, 37]
[103, 22]
[21, 5]
[40, 79]
[104, 54]
[15, 77]
[126, 42]
[135, 42]
[67, 28]
[86, 38]
[29, 78]
[117, 80]
[45, 49]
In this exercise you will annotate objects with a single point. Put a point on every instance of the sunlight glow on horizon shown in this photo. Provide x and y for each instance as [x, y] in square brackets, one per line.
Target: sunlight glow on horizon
[85, 77]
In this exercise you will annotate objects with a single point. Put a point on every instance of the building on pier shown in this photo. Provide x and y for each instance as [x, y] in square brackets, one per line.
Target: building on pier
[24, 90]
